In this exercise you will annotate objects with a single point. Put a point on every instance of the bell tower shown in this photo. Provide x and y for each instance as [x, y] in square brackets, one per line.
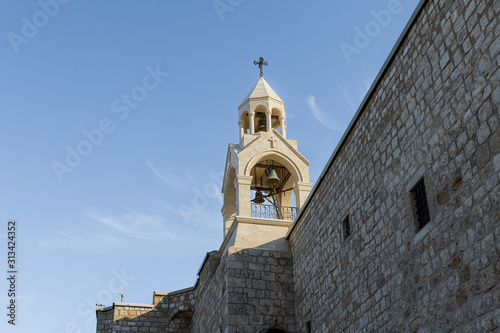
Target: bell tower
[266, 179]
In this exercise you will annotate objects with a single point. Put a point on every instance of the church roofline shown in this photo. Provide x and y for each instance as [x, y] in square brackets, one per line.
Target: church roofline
[227, 165]
[282, 139]
[124, 304]
[135, 305]
[260, 99]
[261, 90]
[175, 292]
[357, 115]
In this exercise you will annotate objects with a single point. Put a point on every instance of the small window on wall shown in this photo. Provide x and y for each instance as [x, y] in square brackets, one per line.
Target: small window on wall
[346, 227]
[420, 204]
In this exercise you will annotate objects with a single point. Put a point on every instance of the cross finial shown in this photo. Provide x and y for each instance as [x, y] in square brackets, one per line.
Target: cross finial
[261, 62]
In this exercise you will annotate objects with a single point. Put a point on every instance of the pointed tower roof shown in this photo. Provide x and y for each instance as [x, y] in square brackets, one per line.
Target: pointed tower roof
[262, 90]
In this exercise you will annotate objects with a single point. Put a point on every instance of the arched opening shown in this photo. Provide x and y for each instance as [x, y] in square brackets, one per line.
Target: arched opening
[245, 122]
[182, 321]
[272, 190]
[260, 119]
[229, 208]
[279, 121]
[275, 117]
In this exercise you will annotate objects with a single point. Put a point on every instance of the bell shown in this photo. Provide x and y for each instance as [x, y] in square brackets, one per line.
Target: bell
[259, 198]
[261, 126]
[272, 179]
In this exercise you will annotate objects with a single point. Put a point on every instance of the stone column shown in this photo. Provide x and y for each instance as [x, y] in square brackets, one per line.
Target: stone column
[302, 191]
[229, 213]
[242, 184]
[282, 126]
[242, 129]
[268, 120]
[252, 122]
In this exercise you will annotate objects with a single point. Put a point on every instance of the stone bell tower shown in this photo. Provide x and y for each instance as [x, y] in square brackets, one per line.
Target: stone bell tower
[266, 179]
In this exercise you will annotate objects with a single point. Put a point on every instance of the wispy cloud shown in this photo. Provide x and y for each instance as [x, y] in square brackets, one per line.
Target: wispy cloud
[119, 234]
[165, 177]
[187, 214]
[161, 225]
[348, 98]
[320, 115]
[138, 226]
[200, 199]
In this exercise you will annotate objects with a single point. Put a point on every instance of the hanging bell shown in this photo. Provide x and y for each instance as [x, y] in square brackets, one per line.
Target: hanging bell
[272, 179]
[259, 198]
[261, 126]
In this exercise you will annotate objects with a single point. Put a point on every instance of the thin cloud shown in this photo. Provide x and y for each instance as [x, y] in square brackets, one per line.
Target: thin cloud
[111, 223]
[165, 225]
[139, 226]
[119, 234]
[197, 203]
[188, 215]
[170, 181]
[320, 115]
[348, 98]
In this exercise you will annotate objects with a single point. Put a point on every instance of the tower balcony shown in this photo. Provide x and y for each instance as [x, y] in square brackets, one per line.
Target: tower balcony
[274, 212]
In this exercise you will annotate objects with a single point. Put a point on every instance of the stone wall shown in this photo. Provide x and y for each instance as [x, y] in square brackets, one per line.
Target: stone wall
[104, 320]
[170, 313]
[242, 291]
[196, 309]
[211, 294]
[433, 115]
[260, 291]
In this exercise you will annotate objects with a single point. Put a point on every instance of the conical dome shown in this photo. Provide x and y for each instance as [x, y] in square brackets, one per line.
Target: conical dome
[262, 90]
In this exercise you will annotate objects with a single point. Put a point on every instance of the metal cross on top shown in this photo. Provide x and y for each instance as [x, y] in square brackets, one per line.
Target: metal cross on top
[260, 63]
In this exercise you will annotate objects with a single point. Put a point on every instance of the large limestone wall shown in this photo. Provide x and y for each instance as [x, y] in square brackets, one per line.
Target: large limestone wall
[434, 114]
[239, 291]
[197, 309]
[170, 313]
[260, 291]
[211, 301]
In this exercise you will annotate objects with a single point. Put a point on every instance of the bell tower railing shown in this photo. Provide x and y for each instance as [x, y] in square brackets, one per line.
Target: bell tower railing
[274, 212]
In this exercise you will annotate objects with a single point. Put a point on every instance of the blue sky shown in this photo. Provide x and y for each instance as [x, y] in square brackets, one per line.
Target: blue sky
[146, 93]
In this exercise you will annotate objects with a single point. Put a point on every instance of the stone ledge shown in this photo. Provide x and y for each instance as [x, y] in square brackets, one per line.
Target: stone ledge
[250, 220]
[135, 305]
[262, 221]
[245, 228]
[107, 308]
[170, 293]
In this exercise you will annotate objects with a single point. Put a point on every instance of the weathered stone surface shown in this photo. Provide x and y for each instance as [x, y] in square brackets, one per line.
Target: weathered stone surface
[388, 275]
